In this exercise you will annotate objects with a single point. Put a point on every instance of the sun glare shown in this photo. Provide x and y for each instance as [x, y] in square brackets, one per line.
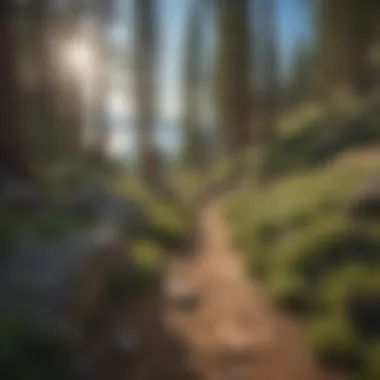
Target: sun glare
[80, 57]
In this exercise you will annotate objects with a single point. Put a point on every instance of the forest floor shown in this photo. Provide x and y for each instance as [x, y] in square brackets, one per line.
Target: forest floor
[231, 333]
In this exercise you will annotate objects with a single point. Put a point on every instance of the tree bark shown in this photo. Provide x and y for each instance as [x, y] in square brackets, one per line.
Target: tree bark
[13, 153]
[145, 54]
[271, 101]
[233, 89]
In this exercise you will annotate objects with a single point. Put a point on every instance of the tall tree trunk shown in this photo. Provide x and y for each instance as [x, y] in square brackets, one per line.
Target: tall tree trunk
[13, 153]
[361, 45]
[300, 89]
[193, 153]
[233, 90]
[38, 102]
[102, 12]
[145, 54]
[344, 44]
[271, 101]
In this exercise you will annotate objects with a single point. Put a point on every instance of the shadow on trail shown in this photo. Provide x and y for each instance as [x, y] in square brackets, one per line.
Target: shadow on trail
[159, 356]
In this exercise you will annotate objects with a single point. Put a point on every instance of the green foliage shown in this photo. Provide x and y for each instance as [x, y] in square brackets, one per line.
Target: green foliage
[168, 223]
[336, 344]
[321, 139]
[148, 260]
[164, 228]
[290, 293]
[371, 363]
[315, 261]
[297, 217]
[52, 222]
[64, 176]
[166, 220]
[29, 354]
[348, 281]
[144, 261]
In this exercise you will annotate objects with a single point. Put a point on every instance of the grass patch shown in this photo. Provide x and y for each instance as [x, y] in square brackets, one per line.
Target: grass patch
[290, 293]
[147, 258]
[335, 343]
[316, 262]
[322, 138]
[166, 220]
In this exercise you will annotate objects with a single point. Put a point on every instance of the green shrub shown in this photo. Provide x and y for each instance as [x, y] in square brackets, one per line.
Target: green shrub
[289, 293]
[362, 303]
[147, 258]
[166, 221]
[371, 230]
[297, 234]
[336, 344]
[329, 243]
[29, 354]
[344, 282]
[168, 224]
[51, 223]
[56, 225]
[321, 140]
[143, 269]
[301, 222]
[371, 367]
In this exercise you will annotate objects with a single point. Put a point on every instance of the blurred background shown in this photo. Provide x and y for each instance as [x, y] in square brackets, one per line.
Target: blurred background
[121, 120]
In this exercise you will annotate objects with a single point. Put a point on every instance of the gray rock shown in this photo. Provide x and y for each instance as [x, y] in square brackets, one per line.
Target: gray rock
[183, 298]
[99, 205]
[21, 194]
[126, 343]
[44, 277]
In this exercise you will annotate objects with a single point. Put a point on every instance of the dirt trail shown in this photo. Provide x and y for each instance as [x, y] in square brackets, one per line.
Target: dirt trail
[235, 334]
[232, 334]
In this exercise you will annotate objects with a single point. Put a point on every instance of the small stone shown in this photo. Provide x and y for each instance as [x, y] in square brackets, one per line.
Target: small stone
[126, 343]
[183, 298]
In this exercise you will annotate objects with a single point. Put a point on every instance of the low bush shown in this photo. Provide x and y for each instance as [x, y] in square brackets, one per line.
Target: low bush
[371, 367]
[290, 293]
[29, 354]
[340, 284]
[147, 259]
[166, 221]
[317, 262]
[335, 343]
[321, 140]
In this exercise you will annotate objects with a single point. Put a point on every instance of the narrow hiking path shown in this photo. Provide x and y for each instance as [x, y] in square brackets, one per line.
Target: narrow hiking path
[232, 333]
[235, 333]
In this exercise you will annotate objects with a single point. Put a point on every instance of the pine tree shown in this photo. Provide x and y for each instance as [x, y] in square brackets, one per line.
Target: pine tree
[344, 44]
[232, 83]
[145, 65]
[193, 150]
[13, 152]
[271, 95]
